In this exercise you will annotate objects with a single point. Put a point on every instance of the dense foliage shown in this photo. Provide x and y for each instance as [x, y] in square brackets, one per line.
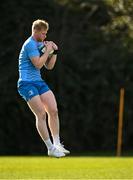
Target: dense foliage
[96, 48]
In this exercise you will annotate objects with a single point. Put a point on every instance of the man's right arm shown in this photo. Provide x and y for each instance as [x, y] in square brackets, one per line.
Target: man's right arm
[38, 62]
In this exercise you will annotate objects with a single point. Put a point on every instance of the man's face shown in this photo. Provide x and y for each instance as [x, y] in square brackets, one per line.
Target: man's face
[41, 35]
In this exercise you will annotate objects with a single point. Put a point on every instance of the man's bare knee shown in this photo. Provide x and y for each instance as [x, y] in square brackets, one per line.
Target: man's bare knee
[41, 115]
[53, 112]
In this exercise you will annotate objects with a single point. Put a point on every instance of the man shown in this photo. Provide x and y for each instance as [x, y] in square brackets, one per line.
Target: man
[36, 53]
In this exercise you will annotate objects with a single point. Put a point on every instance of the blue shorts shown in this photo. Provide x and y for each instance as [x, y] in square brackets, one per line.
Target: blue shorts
[29, 89]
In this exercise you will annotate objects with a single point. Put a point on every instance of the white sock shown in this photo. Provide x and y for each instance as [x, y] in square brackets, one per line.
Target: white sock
[56, 139]
[48, 144]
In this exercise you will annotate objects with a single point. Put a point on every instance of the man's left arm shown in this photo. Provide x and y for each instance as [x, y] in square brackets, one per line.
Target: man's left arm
[50, 63]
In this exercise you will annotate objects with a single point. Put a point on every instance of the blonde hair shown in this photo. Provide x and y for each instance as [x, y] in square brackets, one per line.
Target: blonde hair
[39, 25]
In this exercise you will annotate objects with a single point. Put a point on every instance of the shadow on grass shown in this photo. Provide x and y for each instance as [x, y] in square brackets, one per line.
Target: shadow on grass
[80, 154]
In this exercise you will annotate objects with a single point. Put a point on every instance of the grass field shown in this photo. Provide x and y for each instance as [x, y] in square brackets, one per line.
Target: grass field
[66, 168]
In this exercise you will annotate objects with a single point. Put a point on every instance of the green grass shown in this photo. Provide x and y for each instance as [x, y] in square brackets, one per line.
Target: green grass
[66, 168]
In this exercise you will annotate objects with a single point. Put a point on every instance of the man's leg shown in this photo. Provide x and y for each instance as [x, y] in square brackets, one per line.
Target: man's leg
[37, 107]
[50, 104]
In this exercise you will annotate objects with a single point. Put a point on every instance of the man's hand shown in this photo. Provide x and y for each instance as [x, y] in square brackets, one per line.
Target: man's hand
[49, 46]
[55, 47]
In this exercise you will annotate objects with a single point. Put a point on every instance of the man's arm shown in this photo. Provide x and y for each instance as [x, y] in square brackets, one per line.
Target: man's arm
[49, 64]
[38, 62]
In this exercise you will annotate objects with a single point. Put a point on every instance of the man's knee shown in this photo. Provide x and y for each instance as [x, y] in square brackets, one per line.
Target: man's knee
[53, 112]
[41, 115]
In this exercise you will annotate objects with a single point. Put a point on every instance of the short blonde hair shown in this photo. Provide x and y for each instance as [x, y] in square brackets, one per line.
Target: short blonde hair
[40, 24]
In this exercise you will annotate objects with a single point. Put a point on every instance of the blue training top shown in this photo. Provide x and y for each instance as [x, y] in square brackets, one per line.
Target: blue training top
[27, 71]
